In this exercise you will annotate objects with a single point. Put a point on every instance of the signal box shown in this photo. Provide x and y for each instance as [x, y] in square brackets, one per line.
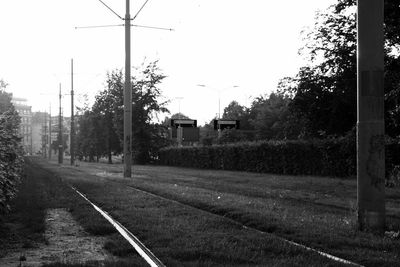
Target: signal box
[175, 123]
[184, 130]
[226, 124]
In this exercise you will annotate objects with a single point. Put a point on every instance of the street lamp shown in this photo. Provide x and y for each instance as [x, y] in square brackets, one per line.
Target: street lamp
[219, 95]
[179, 98]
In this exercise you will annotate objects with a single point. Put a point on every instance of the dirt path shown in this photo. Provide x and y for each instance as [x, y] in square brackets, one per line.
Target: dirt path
[67, 243]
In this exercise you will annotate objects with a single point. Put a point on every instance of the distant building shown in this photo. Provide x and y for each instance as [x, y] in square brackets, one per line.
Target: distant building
[40, 133]
[25, 130]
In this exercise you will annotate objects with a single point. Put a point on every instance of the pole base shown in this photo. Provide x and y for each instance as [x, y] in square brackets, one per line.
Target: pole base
[371, 221]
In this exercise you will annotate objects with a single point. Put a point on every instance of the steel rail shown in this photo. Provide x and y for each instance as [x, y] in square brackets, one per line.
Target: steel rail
[143, 251]
[324, 254]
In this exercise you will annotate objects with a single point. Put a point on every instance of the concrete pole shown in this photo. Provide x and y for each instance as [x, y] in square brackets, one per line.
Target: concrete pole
[50, 132]
[44, 140]
[60, 137]
[127, 97]
[179, 135]
[72, 134]
[370, 117]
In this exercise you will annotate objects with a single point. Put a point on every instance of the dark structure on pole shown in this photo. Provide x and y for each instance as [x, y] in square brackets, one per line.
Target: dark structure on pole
[370, 116]
[72, 134]
[127, 97]
[60, 137]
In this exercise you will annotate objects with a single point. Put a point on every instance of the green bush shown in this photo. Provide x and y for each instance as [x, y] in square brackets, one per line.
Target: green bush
[330, 157]
[11, 160]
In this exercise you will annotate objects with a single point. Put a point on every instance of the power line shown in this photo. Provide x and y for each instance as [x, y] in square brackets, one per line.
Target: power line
[118, 25]
[134, 17]
[111, 10]
[97, 26]
[152, 27]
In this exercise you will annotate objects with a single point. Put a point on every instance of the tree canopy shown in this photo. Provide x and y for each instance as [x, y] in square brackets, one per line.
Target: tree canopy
[100, 131]
[10, 149]
[325, 91]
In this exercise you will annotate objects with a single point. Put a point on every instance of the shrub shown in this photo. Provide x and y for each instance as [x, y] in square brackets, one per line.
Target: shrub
[329, 157]
[11, 160]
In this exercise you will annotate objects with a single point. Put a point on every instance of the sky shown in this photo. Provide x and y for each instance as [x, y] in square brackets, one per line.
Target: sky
[237, 49]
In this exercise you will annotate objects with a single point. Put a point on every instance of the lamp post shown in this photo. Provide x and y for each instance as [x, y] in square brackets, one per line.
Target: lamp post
[179, 98]
[219, 95]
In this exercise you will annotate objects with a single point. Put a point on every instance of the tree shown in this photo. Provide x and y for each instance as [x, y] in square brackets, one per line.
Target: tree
[235, 111]
[325, 91]
[90, 142]
[147, 137]
[103, 124]
[269, 115]
[104, 109]
[11, 160]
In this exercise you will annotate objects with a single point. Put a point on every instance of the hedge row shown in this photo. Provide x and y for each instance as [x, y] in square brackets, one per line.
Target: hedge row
[332, 157]
[11, 160]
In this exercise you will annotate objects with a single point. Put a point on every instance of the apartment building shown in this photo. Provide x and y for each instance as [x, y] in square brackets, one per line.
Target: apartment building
[25, 130]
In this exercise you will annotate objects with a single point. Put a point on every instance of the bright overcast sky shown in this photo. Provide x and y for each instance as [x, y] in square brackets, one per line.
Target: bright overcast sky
[218, 43]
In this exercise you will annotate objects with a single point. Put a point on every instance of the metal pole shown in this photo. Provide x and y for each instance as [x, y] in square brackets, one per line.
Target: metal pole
[50, 132]
[60, 137]
[219, 105]
[370, 116]
[127, 98]
[72, 134]
[44, 140]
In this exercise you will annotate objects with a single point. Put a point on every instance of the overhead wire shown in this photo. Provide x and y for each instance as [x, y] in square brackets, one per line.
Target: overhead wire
[152, 27]
[98, 26]
[134, 17]
[111, 10]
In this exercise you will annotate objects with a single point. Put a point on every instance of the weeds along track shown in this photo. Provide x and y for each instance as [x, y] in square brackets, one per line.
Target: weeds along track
[209, 211]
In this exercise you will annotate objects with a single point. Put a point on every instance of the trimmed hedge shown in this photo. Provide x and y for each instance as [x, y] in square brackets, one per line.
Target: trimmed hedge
[331, 157]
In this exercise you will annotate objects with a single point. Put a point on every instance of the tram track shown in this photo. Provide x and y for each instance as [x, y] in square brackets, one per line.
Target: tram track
[321, 253]
[201, 197]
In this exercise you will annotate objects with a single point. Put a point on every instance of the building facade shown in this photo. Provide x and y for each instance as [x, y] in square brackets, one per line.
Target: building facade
[40, 133]
[25, 130]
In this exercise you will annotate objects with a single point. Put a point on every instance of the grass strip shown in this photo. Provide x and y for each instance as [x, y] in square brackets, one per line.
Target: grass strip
[184, 236]
[40, 190]
[318, 212]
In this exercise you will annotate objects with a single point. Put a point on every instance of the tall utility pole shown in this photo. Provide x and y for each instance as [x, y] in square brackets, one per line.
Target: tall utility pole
[60, 137]
[127, 97]
[72, 134]
[127, 86]
[370, 116]
[50, 132]
[45, 139]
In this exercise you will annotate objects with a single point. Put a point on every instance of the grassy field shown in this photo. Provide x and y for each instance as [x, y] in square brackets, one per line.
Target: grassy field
[207, 230]
[40, 190]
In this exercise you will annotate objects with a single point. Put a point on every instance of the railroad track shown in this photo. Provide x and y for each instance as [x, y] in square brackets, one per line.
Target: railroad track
[324, 254]
[154, 261]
